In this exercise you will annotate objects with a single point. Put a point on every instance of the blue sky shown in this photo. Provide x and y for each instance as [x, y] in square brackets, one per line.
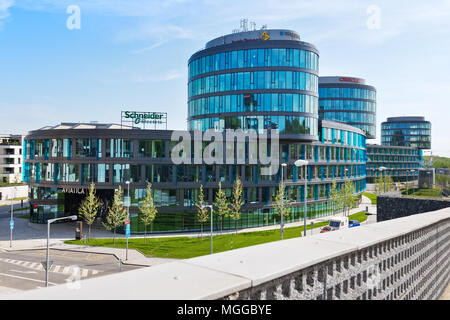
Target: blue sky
[133, 54]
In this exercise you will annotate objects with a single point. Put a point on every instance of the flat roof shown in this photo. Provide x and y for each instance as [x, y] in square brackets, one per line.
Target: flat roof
[406, 119]
[341, 79]
[262, 34]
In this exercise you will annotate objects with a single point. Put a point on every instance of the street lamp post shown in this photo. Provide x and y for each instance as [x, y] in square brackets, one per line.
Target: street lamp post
[47, 260]
[283, 165]
[128, 215]
[11, 223]
[211, 235]
[303, 163]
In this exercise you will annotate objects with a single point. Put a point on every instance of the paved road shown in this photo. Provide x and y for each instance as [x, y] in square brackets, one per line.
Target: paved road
[22, 270]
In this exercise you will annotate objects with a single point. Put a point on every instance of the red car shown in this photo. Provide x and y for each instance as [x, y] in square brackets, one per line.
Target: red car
[327, 229]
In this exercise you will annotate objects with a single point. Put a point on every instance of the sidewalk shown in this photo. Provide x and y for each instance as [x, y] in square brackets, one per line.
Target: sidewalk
[134, 256]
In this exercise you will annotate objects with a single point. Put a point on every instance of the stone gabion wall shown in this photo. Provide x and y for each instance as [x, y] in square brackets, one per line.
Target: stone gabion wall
[392, 207]
[412, 266]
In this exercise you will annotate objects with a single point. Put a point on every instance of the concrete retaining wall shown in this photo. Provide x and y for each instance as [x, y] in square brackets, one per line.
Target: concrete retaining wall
[404, 258]
[13, 192]
[392, 207]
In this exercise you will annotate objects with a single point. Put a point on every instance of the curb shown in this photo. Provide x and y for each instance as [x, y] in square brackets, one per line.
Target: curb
[74, 250]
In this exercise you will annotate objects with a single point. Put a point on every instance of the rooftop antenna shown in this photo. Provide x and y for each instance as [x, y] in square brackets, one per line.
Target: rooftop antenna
[235, 31]
[244, 24]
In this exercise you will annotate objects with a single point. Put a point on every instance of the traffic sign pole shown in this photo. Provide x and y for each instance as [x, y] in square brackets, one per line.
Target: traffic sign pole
[11, 225]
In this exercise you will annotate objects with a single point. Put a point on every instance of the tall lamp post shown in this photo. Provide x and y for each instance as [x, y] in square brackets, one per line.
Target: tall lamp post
[303, 163]
[384, 176]
[283, 165]
[128, 216]
[47, 262]
[11, 222]
[211, 209]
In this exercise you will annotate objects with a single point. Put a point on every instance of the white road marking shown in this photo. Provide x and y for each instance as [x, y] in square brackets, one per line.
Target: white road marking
[10, 275]
[23, 271]
[54, 268]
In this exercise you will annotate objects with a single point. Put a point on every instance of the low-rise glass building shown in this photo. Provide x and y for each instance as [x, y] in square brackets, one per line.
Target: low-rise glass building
[406, 132]
[61, 162]
[401, 163]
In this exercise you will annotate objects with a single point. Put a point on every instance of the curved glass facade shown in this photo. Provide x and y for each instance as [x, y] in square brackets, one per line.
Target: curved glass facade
[406, 132]
[350, 101]
[59, 182]
[251, 58]
[248, 87]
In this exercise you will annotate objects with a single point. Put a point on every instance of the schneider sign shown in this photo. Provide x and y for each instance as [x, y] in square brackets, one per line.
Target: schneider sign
[143, 118]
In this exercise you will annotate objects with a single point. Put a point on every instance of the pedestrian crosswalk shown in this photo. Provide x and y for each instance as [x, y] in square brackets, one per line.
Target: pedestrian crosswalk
[54, 268]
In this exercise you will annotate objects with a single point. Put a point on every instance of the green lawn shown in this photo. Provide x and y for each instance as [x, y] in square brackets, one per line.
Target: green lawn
[427, 193]
[186, 247]
[371, 196]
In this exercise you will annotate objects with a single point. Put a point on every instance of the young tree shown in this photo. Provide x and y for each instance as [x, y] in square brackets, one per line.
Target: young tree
[89, 208]
[281, 206]
[202, 211]
[117, 213]
[221, 204]
[347, 194]
[237, 202]
[334, 196]
[147, 209]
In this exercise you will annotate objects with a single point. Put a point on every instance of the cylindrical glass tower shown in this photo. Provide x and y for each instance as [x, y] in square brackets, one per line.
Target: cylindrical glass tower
[348, 100]
[406, 132]
[266, 79]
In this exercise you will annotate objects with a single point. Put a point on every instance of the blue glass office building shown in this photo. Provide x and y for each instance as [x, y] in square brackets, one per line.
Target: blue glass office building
[265, 79]
[348, 100]
[243, 81]
[406, 132]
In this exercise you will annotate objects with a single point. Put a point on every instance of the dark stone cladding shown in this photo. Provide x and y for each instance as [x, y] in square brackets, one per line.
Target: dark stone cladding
[347, 85]
[392, 207]
[254, 44]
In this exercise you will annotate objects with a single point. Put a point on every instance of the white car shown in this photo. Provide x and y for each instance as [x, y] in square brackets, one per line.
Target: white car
[339, 223]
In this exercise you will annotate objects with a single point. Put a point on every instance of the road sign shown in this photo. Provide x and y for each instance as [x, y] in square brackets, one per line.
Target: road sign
[127, 230]
[126, 201]
[11, 224]
[44, 264]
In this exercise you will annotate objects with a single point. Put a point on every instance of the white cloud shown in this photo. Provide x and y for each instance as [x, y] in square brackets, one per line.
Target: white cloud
[4, 8]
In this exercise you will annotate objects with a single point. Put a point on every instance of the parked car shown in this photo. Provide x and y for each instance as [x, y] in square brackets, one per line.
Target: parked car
[339, 223]
[353, 223]
[326, 229]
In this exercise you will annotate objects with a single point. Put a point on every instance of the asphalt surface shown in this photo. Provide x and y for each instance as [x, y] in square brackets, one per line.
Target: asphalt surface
[23, 270]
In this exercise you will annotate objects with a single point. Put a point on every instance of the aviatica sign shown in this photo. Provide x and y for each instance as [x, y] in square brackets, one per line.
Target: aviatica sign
[138, 117]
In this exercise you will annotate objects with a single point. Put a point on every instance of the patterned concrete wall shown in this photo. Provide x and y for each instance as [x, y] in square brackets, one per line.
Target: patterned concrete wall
[404, 258]
[392, 207]
[413, 266]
